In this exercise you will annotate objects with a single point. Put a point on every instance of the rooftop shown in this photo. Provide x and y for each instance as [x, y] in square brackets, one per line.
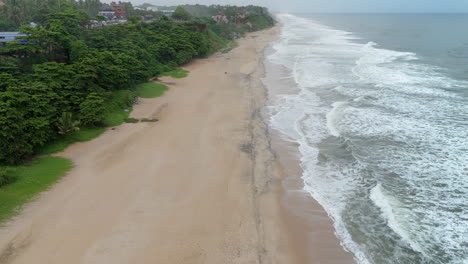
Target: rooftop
[11, 33]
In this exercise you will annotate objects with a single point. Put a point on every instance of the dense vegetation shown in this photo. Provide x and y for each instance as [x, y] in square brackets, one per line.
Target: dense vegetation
[16, 13]
[70, 77]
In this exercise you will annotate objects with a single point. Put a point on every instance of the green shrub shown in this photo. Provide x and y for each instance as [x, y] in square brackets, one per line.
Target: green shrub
[118, 108]
[6, 176]
[25, 123]
[66, 124]
[92, 109]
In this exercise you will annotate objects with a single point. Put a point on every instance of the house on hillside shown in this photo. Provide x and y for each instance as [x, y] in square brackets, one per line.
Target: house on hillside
[220, 19]
[167, 12]
[6, 37]
[120, 12]
[113, 11]
[108, 13]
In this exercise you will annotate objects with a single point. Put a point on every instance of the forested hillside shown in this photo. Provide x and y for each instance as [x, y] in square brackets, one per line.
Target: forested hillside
[68, 76]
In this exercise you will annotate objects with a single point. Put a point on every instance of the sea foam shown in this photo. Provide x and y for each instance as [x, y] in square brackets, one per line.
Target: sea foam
[383, 143]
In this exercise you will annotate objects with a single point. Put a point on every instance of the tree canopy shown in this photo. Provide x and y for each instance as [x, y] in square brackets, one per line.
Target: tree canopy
[181, 14]
[67, 74]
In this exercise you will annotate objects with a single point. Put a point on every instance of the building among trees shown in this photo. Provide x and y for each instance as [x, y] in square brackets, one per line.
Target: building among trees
[6, 37]
[120, 12]
[167, 12]
[113, 11]
[107, 13]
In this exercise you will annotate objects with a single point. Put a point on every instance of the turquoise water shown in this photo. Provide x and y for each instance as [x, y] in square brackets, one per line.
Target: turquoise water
[380, 112]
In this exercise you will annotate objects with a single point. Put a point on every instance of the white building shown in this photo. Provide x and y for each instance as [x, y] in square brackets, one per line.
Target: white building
[6, 37]
[168, 12]
[152, 8]
[109, 14]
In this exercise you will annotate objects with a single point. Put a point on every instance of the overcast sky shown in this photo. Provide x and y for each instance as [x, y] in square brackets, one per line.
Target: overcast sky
[335, 5]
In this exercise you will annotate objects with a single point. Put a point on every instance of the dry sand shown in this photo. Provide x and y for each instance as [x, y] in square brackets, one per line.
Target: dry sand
[200, 186]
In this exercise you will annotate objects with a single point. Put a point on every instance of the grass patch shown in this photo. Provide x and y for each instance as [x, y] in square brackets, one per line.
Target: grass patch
[31, 179]
[119, 108]
[6, 175]
[63, 141]
[131, 120]
[151, 90]
[177, 73]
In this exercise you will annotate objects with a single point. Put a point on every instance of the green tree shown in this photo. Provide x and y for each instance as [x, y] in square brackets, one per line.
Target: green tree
[24, 124]
[100, 18]
[92, 109]
[134, 19]
[181, 14]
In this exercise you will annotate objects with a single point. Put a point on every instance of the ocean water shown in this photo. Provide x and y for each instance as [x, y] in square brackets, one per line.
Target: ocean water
[379, 109]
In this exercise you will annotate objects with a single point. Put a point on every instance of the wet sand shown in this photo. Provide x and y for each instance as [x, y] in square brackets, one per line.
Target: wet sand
[310, 227]
[202, 185]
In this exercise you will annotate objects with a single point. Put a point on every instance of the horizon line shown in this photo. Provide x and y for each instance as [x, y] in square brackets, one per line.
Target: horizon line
[371, 13]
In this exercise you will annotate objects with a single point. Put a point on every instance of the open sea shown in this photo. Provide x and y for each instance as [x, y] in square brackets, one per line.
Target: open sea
[379, 107]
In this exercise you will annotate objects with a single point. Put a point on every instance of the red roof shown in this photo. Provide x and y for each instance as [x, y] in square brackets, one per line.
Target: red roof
[119, 10]
[2, 4]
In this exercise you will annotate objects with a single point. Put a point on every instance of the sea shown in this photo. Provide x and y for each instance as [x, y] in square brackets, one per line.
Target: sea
[378, 106]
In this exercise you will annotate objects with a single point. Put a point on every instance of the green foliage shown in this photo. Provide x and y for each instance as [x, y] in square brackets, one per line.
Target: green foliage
[177, 73]
[92, 109]
[78, 50]
[260, 22]
[63, 141]
[92, 73]
[6, 175]
[100, 18]
[30, 181]
[118, 108]
[25, 122]
[66, 124]
[134, 19]
[151, 90]
[7, 80]
[181, 14]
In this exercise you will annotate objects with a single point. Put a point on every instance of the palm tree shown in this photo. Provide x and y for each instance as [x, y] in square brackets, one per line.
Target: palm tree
[66, 124]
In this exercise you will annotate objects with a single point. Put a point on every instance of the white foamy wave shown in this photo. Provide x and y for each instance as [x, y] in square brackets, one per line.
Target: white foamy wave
[388, 205]
[361, 113]
[333, 117]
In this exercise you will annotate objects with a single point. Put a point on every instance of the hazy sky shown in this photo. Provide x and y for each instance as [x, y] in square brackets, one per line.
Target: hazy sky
[335, 5]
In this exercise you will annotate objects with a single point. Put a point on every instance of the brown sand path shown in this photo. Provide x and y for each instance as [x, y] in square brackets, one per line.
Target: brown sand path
[186, 189]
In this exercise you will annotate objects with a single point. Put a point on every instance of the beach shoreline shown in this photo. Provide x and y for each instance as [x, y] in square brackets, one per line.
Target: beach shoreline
[310, 228]
[204, 184]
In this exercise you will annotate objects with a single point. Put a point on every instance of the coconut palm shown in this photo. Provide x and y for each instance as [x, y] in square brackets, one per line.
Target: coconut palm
[66, 124]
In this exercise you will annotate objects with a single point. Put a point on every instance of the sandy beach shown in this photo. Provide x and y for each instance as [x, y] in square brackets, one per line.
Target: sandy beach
[202, 185]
